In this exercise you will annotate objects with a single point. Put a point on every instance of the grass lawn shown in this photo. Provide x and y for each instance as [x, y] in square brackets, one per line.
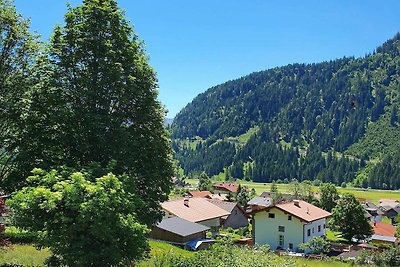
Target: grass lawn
[332, 236]
[26, 255]
[327, 263]
[371, 194]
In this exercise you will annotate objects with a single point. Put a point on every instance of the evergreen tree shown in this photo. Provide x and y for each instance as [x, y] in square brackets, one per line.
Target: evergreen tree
[95, 103]
[205, 183]
[393, 115]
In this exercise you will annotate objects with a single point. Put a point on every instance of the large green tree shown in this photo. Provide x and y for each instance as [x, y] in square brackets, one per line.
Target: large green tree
[348, 218]
[329, 196]
[95, 102]
[83, 219]
[17, 53]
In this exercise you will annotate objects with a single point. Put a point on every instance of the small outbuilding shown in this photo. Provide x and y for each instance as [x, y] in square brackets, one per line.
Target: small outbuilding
[178, 231]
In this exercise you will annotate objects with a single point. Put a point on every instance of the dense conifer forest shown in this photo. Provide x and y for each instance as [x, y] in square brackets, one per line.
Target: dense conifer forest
[333, 121]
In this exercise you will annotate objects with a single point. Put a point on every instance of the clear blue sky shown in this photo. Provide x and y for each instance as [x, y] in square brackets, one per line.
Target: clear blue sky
[194, 45]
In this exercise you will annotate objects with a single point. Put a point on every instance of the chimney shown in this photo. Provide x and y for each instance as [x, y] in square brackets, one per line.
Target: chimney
[308, 210]
[296, 203]
[186, 202]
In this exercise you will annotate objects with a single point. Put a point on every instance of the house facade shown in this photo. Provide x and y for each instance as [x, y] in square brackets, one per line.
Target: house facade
[288, 225]
[237, 216]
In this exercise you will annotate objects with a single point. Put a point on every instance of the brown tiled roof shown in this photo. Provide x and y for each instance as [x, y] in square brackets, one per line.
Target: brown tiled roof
[227, 186]
[303, 210]
[197, 210]
[385, 229]
[200, 193]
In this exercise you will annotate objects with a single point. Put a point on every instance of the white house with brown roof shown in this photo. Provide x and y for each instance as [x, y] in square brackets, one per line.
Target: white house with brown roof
[287, 225]
[197, 210]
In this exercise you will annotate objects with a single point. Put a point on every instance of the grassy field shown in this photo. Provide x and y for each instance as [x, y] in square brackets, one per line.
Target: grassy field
[26, 255]
[371, 194]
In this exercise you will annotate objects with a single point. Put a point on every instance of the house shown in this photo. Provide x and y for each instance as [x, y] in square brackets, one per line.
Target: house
[225, 188]
[178, 231]
[384, 233]
[202, 194]
[237, 216]
[287, 225]
[390, 208]
[197, 210]
[373, 213]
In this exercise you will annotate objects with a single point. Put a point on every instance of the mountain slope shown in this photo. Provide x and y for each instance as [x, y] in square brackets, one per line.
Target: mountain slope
[300, 110]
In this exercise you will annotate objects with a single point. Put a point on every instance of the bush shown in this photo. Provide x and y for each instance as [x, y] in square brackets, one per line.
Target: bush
[16, 235]
[343, 185]
[221, 255]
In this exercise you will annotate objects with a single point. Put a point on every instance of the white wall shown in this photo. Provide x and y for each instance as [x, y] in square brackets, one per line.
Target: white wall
[313, 226]
[266, 230]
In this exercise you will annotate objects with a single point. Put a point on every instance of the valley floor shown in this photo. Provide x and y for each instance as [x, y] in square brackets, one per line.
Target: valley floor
[373, 195]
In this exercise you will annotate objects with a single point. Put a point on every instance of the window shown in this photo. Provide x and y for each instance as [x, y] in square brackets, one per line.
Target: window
[313, 230]
[308, 232]
[289, 217]
[281, 240]
[271, 215]
[290, 245]
[281, 228]
[319, 228]
[324, 226]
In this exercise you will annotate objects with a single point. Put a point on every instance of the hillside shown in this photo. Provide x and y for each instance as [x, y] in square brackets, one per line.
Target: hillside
[322, 121]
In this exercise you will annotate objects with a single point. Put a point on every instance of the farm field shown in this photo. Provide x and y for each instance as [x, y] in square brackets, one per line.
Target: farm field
[372, 195]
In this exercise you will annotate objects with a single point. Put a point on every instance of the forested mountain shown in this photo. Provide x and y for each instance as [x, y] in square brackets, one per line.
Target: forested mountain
[323, 121]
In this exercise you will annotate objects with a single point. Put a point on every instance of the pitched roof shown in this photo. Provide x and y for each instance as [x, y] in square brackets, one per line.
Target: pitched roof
[389, 204]
[200, 193]
[181, 226]
[303, 210]
[388, 200]
[272, 194]
[384, 229]
[391, 239]
[225, 205]
[370, 206]
[227, 186]
[261, 201]
[197, 210]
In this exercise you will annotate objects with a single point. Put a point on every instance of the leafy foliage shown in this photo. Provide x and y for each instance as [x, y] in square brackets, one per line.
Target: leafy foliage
[84, 220]
[329, 196]
[18, 50]
[348, 218]
[224, 255]
[317, 245]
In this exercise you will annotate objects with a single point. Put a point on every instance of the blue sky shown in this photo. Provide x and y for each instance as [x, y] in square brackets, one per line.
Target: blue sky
[194, 45]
